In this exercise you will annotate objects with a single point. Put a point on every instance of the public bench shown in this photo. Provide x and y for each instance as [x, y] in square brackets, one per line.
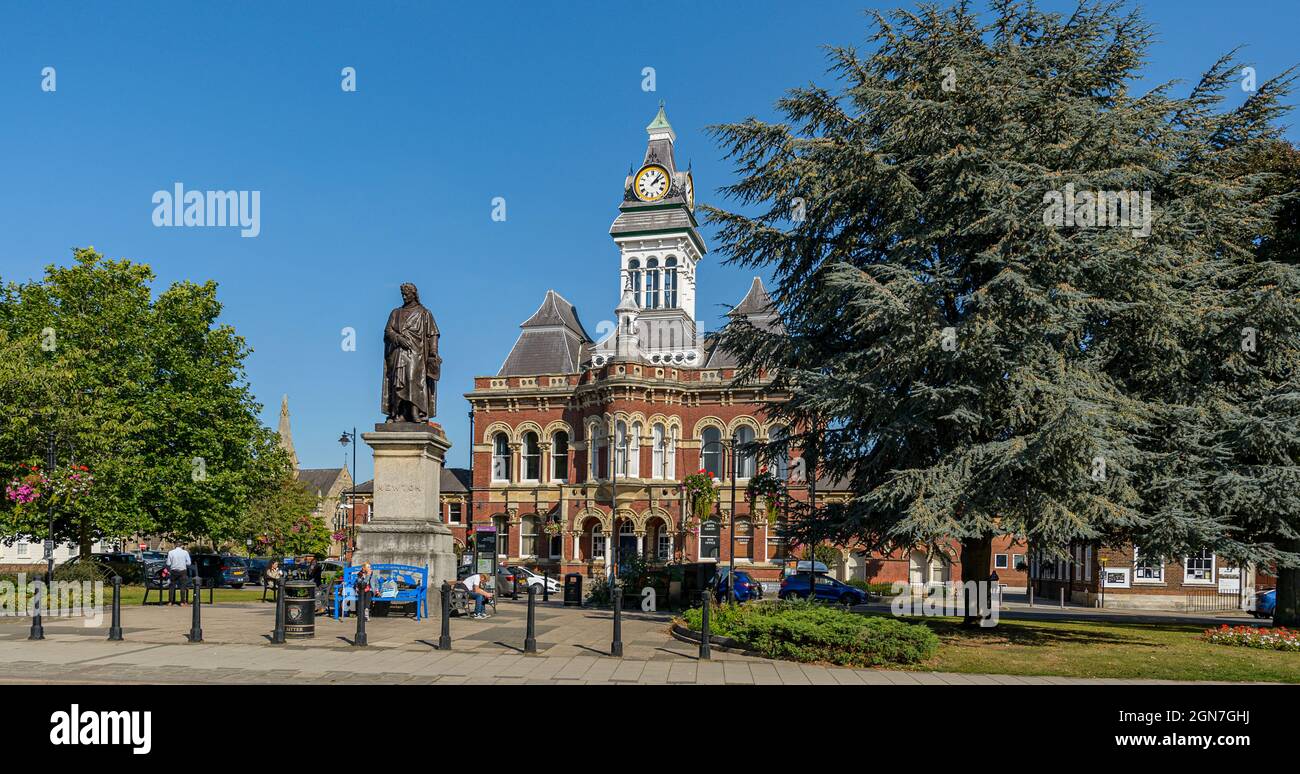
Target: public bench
[397, 583]
[161, 584]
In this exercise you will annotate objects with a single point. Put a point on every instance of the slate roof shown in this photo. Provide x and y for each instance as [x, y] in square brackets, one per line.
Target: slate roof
[669, 219]
[319, 480]
[553, 341]
[757, 307]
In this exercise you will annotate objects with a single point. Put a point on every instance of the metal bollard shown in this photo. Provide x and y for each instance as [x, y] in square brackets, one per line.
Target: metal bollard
[115, 629]
[196, 620]
[444, 639]
[530, 636]
[704, 626]
[1031, 595]
[1063, 598]
[616, 647]
[363, 604]
[277, 635]
[546, 586]
[38, 630]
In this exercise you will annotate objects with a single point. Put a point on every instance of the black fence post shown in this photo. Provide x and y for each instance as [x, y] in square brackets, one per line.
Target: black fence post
[277, 635]
[115, 629]
[444, 639]
[37, 631]
[546, 586]
[616, 647]
[196, 620]
[530, 636]
[363, 604]
[705, 655]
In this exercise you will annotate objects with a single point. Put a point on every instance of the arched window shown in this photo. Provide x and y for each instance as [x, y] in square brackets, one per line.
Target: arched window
[651, 284]
[659, 441]
[597, 543]
[528, 533]
[620, 448]
[744, 457]
[781, 463]
[671, 467]
[634, 271]
[597, 453]
[560, 456]
[500, 457]
[670, 283]
[634, 451]
[532, 462]
[711, 451]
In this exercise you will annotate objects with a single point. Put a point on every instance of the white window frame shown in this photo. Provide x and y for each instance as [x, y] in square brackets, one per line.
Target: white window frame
[634, 451]
[1006, 562]
[455, 512]
[746, 464]
[663, 545]
[1189, 580]
[23, 546]
[659, 442]
[557, 456]
[1143, 563]
[528, 456]
[528, 540]
[598, 543]
[500, 462]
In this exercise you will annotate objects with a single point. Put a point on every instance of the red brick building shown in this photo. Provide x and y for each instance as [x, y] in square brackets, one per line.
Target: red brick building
[580, 446]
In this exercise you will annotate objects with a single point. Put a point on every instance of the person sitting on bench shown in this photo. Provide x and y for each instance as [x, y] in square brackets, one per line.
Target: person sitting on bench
[474, 585]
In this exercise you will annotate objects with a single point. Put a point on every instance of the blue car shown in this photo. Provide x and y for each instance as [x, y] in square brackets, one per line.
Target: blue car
[828, 590]
[1265, 604]
[746, 587]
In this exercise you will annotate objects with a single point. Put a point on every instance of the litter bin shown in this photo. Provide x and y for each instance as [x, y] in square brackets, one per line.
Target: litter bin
[573, 590]
[299, 609]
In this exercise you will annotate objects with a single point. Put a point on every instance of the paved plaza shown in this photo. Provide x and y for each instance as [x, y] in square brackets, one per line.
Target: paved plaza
[573, 645]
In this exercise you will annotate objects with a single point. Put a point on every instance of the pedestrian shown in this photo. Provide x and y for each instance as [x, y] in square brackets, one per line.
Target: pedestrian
[273, 576]
[474, 585]
[364, 585]
[178, 563]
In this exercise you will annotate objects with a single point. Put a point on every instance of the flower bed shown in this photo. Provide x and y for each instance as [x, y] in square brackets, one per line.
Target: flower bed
[800, 631]
[1264, 638]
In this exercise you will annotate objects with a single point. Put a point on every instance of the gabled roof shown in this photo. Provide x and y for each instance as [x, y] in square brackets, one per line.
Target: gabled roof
[553, 341]
[319, 481]
[455, 480]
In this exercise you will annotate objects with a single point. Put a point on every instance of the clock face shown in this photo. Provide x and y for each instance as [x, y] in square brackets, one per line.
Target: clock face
[690, 191]
[651, 183]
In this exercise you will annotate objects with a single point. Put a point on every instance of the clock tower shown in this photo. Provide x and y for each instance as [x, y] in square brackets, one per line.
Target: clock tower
[659, 248]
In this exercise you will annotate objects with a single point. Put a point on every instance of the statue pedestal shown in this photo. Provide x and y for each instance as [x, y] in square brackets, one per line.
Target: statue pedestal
[407, 525]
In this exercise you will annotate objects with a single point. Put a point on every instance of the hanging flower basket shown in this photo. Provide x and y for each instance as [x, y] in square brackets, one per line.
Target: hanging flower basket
[700, 491]
[552, 527]
[771, 489]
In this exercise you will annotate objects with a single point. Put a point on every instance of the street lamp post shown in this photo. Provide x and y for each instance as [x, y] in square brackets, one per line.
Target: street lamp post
[38, 629]
[731, 567]
[345, 438]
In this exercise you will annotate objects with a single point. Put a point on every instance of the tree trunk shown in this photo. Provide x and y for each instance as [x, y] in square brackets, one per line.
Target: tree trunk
[976, 559]
[83, 539]
[1287, 612]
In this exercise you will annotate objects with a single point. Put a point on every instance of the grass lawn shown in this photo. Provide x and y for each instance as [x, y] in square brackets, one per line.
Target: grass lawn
[132, 595]
[1101, 649]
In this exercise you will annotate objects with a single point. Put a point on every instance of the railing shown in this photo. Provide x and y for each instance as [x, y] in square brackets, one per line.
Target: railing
[1211, 601]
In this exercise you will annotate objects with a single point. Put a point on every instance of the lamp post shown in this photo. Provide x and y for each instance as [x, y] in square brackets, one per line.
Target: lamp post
[731, 566]
[344, 439]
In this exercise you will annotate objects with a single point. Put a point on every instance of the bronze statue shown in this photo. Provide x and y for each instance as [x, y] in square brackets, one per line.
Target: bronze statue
[411, 362]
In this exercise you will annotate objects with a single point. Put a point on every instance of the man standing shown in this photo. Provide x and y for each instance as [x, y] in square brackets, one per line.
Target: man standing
[178, 562]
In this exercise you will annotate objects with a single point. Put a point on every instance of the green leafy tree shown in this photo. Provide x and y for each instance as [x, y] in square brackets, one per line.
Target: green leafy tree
[272, 518]
[971, 363]
[148, 392]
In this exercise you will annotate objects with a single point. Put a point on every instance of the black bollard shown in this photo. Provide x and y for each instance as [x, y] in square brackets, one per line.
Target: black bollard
[196, 627]
[704, 627]
[444, 639]
[277, 634]
[363, 604]
[546, 586]
[38, 601]
[616, 647]
[530, 636]
[115, 629]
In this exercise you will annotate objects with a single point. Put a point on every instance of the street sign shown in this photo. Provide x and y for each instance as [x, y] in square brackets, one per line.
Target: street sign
[710, 538]
[49, 549]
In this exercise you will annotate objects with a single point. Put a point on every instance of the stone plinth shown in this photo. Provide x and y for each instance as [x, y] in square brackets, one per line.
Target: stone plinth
[407, 526]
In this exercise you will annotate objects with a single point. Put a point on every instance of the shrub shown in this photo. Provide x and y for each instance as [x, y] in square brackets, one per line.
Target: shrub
[809, 632]
[1264, 638]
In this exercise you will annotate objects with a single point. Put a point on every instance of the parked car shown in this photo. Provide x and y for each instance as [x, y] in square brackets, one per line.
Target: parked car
[115, 563]
[234, 571]
[529, 578]
[746, 587]
[1265, 604]
[257, 568]
[827, 590]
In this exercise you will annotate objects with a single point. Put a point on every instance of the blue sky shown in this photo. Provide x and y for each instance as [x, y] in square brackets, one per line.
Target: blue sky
[456, 103]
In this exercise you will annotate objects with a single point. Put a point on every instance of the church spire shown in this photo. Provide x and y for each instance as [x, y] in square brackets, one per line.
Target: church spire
[286, 435]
